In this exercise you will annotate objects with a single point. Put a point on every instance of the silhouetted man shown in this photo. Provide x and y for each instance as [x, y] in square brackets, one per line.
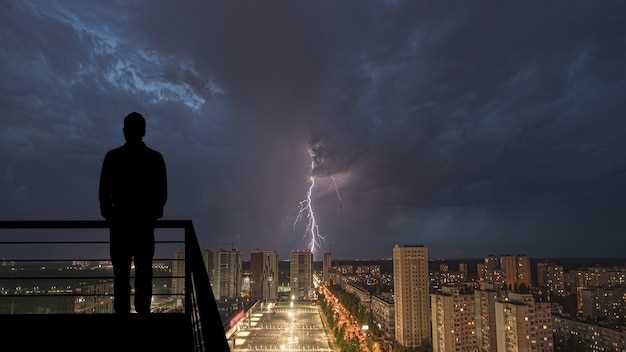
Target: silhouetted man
[133, 191]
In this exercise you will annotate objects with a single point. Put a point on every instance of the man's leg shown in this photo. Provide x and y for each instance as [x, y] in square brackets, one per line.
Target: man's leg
[121, 259]
[144, 254]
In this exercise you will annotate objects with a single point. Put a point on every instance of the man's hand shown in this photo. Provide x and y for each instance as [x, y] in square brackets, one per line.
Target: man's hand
[106, 213]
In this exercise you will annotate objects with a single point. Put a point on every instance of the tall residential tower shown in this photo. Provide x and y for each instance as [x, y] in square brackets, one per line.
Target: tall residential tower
[264, 267]
[410, 283]
[301, 278]
[327, 264]
[453, 321]
[226, 273]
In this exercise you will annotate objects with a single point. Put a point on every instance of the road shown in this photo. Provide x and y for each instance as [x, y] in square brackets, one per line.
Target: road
[347, 321]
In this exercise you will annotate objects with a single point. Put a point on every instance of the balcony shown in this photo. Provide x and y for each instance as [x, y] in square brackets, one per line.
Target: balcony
[73, 316]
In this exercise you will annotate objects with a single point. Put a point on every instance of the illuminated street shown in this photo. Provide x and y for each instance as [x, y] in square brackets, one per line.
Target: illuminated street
[284, 326]
[346, 320]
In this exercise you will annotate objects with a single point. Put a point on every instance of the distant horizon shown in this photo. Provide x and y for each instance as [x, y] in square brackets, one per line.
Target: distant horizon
[430, 259]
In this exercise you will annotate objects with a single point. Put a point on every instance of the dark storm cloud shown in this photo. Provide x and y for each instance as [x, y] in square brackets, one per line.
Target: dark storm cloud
[473, 128]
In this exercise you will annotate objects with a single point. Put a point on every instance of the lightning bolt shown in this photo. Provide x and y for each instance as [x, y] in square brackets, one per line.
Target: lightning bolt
[306, 211]
[339, 198]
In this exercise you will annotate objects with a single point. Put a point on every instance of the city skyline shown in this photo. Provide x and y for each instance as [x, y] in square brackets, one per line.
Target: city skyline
[508, 303]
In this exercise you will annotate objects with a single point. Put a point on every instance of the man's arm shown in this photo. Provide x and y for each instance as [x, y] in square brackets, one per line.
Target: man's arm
[162, 185]
[106, 199]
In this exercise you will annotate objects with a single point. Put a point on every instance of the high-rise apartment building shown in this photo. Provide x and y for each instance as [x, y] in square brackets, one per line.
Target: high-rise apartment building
[603, 303]
[508, 263]
[551, 277]
[264, 280]
[178, 271]
[464, 270]
[453, 321]
[227, 273]
[582, 279]
[485, 317]
[463, 267]
[555, 279]
[523, 325]
[516, 270]
[541, 274]
[481, 272]
[410, 283]
[497, 278]
[301, 277]
[327, 264]
[512, 327]
[523, 270]
[443, 267]
[489, 273]
[492, 262]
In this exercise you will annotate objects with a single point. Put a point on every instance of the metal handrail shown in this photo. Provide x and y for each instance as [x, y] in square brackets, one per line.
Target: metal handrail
[76, 242]
[64, 260]
[206, 328]
[47, 260]
[81, 224]
[93, 277]
[80, 295]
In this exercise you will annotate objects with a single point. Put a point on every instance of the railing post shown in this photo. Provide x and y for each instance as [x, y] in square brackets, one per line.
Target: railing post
[188, 283]
[204, 299]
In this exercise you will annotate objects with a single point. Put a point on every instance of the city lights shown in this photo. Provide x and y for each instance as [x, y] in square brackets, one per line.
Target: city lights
[293, 327]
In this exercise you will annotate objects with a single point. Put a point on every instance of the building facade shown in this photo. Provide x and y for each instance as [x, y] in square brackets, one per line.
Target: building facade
[524, 271]
[516, 270]
[264, 278]
[574, 335]
[227, 273]
[603, 303]
[301, 277]
[443, 267]
[492, 262]
[327, 264]
[464, 270]
[360, 293]
[485, 317]
[411, 290]
[383, 313]
[490, 274]
[178, 272]
[523, 324]
[551, 277]
[453, 321]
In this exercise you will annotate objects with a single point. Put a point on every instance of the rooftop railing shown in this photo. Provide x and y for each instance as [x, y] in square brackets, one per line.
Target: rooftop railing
[199, 308]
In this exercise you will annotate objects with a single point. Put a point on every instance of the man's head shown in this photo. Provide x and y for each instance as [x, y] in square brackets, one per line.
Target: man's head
[134, 127]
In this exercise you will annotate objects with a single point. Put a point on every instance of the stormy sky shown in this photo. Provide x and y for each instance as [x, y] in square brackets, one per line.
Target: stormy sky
[472, 127]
